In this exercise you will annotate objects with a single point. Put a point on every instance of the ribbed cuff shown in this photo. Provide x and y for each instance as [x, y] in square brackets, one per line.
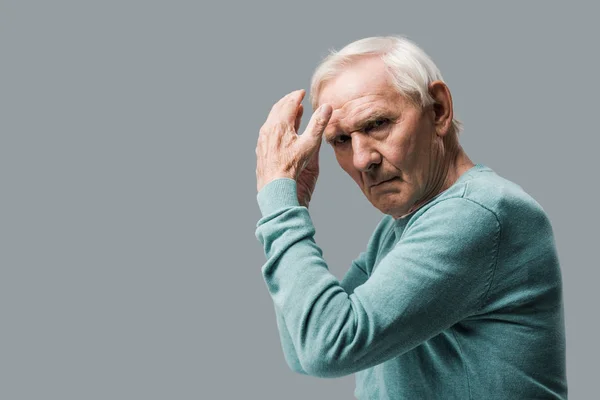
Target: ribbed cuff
[278, 193]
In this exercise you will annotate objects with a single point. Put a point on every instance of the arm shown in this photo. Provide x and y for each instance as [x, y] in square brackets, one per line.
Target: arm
[355, 276]
[287, 345]
[436, 275]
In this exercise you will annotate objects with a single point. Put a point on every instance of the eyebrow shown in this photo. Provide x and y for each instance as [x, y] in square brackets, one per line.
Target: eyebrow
[362, 124]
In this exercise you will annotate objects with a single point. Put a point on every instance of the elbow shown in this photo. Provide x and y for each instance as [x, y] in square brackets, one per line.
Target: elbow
[295, 366]
[299, 371]
[320, 366]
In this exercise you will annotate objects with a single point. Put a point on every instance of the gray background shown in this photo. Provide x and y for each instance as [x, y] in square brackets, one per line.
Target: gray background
[129, 265]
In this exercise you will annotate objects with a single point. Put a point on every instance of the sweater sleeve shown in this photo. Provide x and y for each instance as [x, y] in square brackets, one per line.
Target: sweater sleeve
[355, 276]
[287, 345]
[436, 274]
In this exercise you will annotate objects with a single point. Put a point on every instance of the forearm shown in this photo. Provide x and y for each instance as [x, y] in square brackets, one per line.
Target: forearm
[287, 345]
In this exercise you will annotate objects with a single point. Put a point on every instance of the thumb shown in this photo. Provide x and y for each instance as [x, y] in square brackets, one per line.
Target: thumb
[317, 123]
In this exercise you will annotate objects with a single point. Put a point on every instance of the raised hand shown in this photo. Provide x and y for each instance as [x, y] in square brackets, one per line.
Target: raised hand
[281, 152]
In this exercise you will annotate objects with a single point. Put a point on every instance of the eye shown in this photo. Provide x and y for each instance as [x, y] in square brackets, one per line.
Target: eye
[378, 123]
[340, 140]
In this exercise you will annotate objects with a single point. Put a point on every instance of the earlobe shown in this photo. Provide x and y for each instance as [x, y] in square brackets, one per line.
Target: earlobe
[442, 107]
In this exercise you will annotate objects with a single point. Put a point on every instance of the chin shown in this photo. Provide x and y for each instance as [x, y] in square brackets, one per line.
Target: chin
[394, 204]
[392, 209]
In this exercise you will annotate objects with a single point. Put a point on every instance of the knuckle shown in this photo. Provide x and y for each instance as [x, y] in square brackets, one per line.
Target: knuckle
[320, 121]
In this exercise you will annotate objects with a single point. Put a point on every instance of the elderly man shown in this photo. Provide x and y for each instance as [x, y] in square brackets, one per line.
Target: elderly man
[458, 294]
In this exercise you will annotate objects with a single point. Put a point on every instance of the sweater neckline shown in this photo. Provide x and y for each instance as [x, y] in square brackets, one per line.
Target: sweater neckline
[468, 173]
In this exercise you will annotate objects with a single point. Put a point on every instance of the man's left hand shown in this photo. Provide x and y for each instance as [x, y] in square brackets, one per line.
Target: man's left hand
[280, 151]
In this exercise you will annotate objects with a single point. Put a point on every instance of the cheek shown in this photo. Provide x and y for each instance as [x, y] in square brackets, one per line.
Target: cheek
[399, 154]
[404, 150]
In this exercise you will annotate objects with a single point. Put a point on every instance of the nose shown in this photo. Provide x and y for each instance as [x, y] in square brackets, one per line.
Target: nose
[364, 156]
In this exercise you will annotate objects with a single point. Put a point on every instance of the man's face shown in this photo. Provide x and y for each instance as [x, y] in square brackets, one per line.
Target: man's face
[377, 135]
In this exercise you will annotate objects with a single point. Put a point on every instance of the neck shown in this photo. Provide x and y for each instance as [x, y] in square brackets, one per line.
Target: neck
[454, 163]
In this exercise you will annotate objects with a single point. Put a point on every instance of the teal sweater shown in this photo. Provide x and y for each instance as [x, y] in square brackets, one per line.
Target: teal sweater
[460, 299]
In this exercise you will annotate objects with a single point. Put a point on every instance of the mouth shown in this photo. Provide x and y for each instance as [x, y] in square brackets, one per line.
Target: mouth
[384, 182]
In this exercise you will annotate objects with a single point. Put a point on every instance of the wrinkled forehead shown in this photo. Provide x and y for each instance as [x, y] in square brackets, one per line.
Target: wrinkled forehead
[360, 107]
[354, 107]
[365, 77]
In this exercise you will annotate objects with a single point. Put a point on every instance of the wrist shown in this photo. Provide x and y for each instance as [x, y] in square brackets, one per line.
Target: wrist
[277, 194]
[271, 178]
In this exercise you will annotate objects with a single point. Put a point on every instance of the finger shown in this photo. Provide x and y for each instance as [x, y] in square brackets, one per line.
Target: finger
[315, 157]
[318, 122]
[285, 99]
[288, 109]
[312, 160]
[299, 117]
[275, 115]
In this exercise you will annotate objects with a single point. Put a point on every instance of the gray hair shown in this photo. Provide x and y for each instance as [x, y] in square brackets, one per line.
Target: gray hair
[410, 67]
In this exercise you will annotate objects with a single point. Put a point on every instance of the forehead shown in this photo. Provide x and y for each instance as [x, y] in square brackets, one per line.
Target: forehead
[355, 93]
[366, 78]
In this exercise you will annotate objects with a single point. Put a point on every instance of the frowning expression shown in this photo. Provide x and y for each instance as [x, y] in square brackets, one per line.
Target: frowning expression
[383, 141]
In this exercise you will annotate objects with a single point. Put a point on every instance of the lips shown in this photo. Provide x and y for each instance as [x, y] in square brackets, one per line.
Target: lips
[387, 180]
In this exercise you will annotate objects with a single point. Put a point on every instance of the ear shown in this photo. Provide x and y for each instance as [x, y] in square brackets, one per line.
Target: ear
[442, 107]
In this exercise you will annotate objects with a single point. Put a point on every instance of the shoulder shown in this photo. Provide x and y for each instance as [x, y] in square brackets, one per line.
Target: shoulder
[466, 212]
[499, 196]
[486, 203]
[457, 219]
[384, 228]
[507, 200]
